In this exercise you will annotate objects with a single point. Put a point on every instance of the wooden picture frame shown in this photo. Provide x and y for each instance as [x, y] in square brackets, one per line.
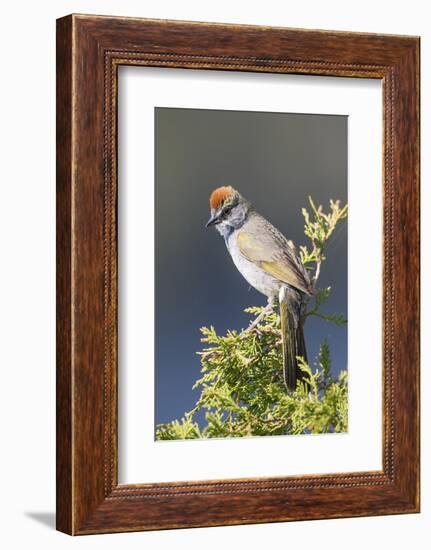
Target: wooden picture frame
[89, 51]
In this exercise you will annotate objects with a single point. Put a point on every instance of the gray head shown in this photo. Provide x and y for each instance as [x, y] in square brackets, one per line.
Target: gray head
[229, 210]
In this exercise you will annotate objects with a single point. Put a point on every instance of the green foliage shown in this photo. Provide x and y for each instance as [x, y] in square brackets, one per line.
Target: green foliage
[319, 229]
[242, 391]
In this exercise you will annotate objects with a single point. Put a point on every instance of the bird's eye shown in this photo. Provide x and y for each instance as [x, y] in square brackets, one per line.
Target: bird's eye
[226, 210]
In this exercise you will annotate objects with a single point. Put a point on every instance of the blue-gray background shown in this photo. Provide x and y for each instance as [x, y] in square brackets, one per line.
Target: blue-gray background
[275, 160]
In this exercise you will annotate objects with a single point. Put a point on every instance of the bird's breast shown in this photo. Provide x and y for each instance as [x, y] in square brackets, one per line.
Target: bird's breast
[252, 273]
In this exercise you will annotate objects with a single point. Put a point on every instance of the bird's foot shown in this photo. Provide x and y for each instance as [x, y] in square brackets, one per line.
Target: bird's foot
[269, 307]
[247, 331]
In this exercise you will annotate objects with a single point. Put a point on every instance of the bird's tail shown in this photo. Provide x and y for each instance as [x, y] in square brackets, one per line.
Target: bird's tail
[293, 345]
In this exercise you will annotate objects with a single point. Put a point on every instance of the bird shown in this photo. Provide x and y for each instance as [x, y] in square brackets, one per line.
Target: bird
[269, 263]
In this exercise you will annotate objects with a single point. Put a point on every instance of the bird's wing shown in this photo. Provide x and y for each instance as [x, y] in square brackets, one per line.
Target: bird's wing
[271, 251]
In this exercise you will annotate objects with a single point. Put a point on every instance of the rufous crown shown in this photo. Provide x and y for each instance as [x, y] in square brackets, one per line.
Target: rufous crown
[220, 195]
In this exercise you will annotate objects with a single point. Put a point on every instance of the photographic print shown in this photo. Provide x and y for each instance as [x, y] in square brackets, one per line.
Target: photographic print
[251, 273]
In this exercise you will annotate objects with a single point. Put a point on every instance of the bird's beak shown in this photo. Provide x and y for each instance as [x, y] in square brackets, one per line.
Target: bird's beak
[212, 221]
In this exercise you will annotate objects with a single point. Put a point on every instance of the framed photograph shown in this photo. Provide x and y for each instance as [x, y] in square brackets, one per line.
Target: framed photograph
[237, 274]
